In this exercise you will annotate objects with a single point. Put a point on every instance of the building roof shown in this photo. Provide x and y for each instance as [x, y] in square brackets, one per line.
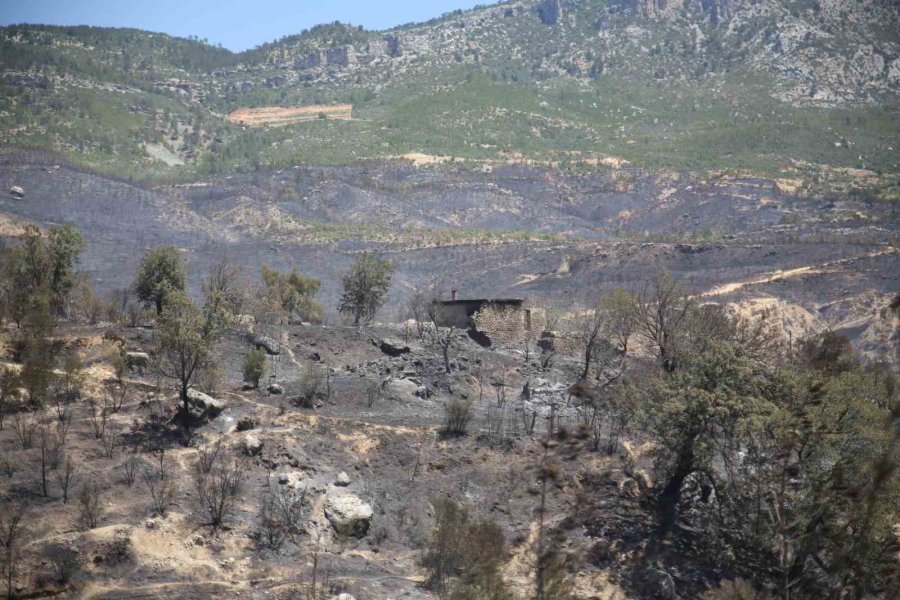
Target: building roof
[484, 301]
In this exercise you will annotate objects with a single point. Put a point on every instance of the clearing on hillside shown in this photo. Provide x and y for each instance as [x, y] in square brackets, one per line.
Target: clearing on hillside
[280, 115]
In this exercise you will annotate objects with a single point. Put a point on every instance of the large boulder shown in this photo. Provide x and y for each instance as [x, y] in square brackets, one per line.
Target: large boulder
[201, 407]
[349, 515]
[400, 389]
[17, 192]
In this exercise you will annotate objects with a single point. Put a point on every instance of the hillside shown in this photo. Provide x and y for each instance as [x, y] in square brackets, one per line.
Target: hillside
[804, 87]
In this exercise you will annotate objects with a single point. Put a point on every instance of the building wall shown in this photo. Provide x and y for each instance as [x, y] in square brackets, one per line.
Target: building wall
[510, 325]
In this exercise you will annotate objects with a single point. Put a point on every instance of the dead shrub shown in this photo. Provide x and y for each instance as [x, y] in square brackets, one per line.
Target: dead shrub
[217, 491]
[90, 500]
[311, 384]
[162, 491]
[281, 515]
[207, 454]
[132, 468]
[25, 425]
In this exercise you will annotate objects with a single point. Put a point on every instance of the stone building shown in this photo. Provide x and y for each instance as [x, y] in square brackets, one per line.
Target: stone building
[503, 320]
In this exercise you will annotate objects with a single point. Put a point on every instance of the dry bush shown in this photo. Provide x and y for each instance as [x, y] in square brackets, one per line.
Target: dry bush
[11, 530]
[162, 491]
[8, 466]
[457, 415]
[217, 491]
[109, 442]
[65, 562]
[25, 425]
[98, 417]
[49, 454]
[206, 456]
[66, 476]
[90, 500]
[281, 515]
[132, 469]
[116, 395]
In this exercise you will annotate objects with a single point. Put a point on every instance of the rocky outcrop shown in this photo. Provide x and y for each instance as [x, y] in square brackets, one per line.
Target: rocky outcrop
[549, 11]
[344, 56]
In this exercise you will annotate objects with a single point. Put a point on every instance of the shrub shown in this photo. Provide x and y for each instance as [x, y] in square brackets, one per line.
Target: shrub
[90, 499]
[162, 491]
[458, 414]
[464, 556]
[281, 515]
[217, 491]
[66, 562]
[254, 366]
[310, 387]
[206, 456]
[132, 468]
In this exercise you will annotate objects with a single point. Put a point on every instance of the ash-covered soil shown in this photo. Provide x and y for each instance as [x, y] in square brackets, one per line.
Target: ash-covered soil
[390, 448]
[736, 239]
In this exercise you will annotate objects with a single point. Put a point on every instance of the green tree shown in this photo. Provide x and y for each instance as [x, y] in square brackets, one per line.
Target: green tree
[9, 390]
[184, 345]
[365, 288]
[64, 247]
[697, 410]
[37, 349]
[161, 275]
[254, 366]
[293, 293]
[45, 264]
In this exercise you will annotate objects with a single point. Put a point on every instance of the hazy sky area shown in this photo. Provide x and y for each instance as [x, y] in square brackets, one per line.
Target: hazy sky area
[236, 24]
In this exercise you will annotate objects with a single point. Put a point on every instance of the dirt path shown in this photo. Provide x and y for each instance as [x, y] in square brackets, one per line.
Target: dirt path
[730, 288]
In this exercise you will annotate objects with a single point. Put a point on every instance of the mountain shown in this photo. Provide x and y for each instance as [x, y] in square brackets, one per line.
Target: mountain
[800, 88]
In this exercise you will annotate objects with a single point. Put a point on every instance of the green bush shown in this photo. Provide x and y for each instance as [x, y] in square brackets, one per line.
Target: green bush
[254, 366]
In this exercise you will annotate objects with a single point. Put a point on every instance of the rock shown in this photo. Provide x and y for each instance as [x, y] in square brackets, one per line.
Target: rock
[267, 344]
[342, 596]
[275, 389]
[342, 479]
[252, 445]
[394, 347]
[137, 359]
[349, 515]
[17, 192]
[246, 423]
[293, 480]
[658, 584]
[399, 389]
[201, 407]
